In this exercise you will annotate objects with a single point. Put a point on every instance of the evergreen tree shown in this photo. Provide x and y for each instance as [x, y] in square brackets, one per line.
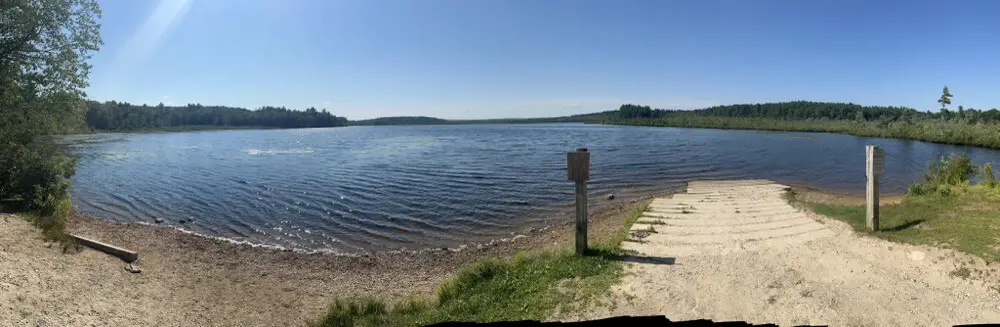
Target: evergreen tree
[945, 99]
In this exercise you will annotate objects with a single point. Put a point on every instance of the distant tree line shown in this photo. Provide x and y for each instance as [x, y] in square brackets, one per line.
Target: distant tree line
[964, 126]
[123, 116]
[400, 120]
[423, 120]
[799, 110]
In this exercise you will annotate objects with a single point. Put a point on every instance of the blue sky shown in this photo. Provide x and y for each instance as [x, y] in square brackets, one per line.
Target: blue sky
[535, 58]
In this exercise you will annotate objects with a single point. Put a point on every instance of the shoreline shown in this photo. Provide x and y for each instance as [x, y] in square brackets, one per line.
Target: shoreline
[536, 221]
[565, 213]
[188, 279]
[602, 212]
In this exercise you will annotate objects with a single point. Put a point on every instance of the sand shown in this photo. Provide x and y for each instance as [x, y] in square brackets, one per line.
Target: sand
[736, 250]
[187, 280]
[768, 263]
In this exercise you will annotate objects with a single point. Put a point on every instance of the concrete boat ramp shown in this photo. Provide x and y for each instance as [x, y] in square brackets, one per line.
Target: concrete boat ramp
[719, 217]
[736, 250]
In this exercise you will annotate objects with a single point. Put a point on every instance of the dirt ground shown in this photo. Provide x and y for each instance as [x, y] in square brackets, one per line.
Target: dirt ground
[819, 196]
[737, 251]
[188, 280]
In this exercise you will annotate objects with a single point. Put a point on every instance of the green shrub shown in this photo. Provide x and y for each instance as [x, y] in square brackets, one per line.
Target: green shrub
[989, 179]
[955, 170]
[919, 189]
[39, 180]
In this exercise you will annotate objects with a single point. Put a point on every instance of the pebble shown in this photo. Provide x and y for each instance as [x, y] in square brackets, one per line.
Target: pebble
[158, 220]
[611, 196]
[133, 268]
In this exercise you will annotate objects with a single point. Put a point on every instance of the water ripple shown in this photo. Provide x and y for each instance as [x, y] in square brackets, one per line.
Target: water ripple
[380, 188]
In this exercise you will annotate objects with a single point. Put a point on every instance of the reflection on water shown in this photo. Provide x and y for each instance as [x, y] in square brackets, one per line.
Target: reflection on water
[378, 188]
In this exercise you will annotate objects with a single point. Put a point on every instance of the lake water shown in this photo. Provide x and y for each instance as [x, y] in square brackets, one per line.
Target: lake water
[356, 189]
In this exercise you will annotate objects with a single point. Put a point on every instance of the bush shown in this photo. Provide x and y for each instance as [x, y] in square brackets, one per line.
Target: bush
[955, 170]
[943, 174]
[37, 180]
[989, 179]
[919, 189]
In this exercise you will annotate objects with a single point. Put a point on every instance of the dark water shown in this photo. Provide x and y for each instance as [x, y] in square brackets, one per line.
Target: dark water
[379, 188]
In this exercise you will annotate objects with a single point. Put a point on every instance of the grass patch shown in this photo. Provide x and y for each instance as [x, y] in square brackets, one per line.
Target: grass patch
[965, 218]
[530, 285]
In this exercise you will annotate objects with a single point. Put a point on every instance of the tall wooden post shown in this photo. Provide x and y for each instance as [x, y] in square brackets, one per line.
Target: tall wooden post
[578, 168]
[874, 165]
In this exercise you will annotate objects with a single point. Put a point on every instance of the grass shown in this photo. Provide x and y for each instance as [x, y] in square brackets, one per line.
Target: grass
[964, 218]
[528, 286]
[929, 130]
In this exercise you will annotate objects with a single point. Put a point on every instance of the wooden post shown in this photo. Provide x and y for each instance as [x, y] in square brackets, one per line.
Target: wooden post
[578, 168]
[874, 166]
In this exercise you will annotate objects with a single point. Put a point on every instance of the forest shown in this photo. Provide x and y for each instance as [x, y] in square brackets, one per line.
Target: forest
[800, 110]
[123, 116]
[423, 120]
[962, 127]
[400, 120]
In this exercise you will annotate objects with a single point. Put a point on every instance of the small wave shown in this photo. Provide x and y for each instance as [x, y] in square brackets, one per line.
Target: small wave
[253, 244]
[118, 156]
[266, 152]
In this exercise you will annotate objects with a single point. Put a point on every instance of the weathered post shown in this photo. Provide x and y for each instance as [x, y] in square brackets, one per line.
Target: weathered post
[578, 167]
[874, 165]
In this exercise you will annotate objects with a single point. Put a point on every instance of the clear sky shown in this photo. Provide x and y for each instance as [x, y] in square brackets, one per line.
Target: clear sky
[534, 58]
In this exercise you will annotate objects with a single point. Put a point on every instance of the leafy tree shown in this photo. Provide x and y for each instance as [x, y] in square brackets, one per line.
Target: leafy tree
[44, 48]
[631, 111]
[945, 99]
[123, 116]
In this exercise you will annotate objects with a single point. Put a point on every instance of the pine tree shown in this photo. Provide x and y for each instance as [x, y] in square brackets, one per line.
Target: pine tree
[945, 99]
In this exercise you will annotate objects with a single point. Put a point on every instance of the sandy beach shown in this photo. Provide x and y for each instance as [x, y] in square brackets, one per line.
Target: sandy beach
[188, 280]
